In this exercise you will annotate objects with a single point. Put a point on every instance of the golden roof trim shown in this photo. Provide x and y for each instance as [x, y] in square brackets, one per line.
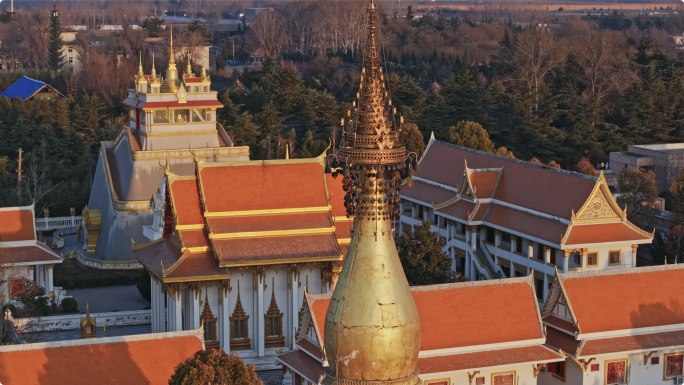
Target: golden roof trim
[280, 261]
[272, 233]
[229, 214]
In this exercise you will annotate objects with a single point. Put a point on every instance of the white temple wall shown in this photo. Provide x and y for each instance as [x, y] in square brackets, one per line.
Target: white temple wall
[522, 374]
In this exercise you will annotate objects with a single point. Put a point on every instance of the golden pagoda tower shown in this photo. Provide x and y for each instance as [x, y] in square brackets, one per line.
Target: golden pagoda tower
[171, 82]
[372, 328]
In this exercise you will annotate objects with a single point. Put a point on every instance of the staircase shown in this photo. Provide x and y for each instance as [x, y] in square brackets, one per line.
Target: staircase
[487, 263]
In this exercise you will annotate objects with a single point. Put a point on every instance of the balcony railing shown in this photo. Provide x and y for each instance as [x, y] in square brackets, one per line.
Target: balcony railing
[47, 224]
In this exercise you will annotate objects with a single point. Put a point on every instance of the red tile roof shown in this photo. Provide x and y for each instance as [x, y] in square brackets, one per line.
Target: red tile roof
[426, 193]
[541, 188]
[312, 349]
[631, 343]
[269, 222]
[560, 340]
[16, 224]
[186, 202]
[27, 254]
[626, 298]
[193, 238]
[303, 364]
[199, 264]
[147, 359]
[526, 223]
[530, 354]
[263, 186]
[288, 248]
[472, 311]
[484, 183]
[459, 209]
[604, 232]
[164, 251]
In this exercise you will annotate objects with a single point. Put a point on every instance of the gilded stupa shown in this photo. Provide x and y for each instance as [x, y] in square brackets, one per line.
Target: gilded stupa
[372, 328]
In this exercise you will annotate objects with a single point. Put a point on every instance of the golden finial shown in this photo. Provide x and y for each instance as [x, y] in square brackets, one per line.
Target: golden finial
[204, 72]
[168, 165]
[104, 331]
[87, 310]
[172, 59]
[140, 69]
[154, 71]
[287, 151]
[163, 268]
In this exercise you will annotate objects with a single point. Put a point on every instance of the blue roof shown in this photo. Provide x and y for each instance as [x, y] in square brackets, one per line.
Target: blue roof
[23, 88]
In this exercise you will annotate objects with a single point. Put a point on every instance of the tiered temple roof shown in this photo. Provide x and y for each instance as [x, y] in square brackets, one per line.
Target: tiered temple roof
[616, 311]
[236, 214]
[18, 243]
[565, 208]
[461, 328]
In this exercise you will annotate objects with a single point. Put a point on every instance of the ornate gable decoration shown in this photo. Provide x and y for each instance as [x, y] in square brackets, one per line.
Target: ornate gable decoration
[466, 190]
[600, 207]
[182, 95]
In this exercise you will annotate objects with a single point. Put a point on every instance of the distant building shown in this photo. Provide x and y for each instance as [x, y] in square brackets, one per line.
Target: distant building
[504, 217]
[665, 160]
[251, 13]
[72, 57]
[22, 257]
[138, 359]
[616, 327]
[199, 55]
[464, 339]
[27, 88]
[171, 120]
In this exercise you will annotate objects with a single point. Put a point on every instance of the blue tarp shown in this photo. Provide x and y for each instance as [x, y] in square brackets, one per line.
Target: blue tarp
[23, 88]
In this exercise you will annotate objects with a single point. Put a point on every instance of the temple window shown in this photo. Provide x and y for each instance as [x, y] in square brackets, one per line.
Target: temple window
[507, 378]
[239, 329]
[592, 260]
[674, 365]
[274, 322]
[540, 251]
[557, 369]
[209, 325]
[199, 115]
[539, 288]
[519, 245]
[616, 372]
[181, 116]
[491, 235]
[614, 258]
[552, 256]
[160, 116]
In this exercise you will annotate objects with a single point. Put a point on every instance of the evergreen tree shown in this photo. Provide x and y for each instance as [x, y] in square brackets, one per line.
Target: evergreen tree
[409, 13]
[471, 135]
[413, 140]
[62, 121]
[55, 56]
[421, 255]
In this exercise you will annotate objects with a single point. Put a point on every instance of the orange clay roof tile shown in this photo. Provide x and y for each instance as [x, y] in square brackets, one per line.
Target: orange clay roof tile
[484, 183]
[263, 187]
[626, 299]
[472, 310]
[449, 363]
[150, 361]
[16, 225]
[186, 202]
[604, 232]
[629, 343]
[27, 254]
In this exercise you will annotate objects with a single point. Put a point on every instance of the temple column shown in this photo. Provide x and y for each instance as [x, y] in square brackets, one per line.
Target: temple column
[584, 259]
[566, 257]
[175, 312]
[546, 287]
[634, 255]
[473, 238]
[514, 241]
[154, 303]
[530, 250]
[259, 314]
[161, 310]
[50, 289]
[547, 255]
[512, 274]
[294, 303]
[194, 322]
[224, 320]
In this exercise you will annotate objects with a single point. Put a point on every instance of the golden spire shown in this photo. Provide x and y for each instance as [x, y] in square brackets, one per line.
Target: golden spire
[140, 69]
[154, 71]
[372, 328]
[188, 70]
[171, 82]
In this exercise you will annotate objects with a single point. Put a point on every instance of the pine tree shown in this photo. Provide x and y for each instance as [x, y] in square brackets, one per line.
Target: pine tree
[55, 56]
[471, 135]
[421, 255]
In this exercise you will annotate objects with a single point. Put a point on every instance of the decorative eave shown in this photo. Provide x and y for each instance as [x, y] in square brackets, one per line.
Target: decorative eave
[599, 208]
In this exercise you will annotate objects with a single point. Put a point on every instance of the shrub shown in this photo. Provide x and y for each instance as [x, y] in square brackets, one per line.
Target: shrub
[12, 309]
[69, 305]
[145, 286]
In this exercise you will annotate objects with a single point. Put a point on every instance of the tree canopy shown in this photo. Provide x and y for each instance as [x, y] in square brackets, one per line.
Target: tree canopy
[421, 255]
[214, 367]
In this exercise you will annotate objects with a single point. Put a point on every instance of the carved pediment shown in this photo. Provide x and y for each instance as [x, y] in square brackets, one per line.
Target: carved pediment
[600, 207]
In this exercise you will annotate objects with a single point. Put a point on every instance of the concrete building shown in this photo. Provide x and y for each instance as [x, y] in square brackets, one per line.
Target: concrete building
[22, 257]
[464, 339]
[665, 160]
[616, 327]
[241, 243]
[503, 217]
[171, 120]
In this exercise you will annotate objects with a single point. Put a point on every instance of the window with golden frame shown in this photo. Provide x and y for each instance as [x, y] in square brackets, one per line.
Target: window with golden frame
[614, 258]
[673, 366]
[616, 372]
[441, 381]
[592, 260]
[504, 378]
